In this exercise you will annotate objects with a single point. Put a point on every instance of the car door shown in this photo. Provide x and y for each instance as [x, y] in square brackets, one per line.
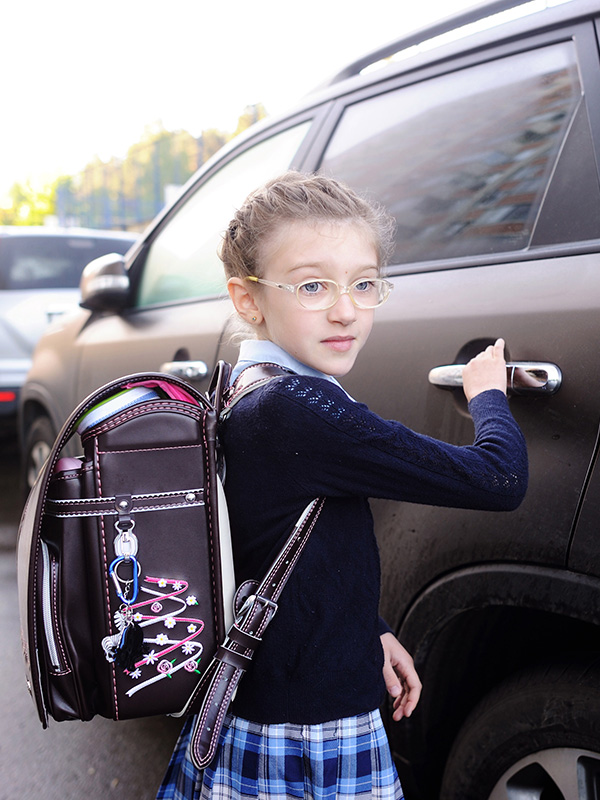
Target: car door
[490, 171]
[180, 307]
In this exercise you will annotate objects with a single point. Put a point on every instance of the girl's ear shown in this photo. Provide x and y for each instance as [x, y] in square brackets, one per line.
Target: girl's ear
[243, 300]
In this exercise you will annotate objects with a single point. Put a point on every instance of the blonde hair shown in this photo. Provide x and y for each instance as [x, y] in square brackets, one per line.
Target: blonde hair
[294, 197]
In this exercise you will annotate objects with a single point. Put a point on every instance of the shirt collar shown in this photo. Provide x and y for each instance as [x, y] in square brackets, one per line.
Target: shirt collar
[256, 351]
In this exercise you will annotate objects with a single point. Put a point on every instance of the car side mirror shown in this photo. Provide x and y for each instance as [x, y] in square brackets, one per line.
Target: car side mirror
[104, 284]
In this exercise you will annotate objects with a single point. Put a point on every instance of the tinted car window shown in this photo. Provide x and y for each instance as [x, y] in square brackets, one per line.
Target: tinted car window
[50, 262]
[182, 262]
[463, 161]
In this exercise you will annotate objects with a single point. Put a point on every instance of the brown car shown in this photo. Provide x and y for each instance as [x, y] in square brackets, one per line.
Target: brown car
[486, 149]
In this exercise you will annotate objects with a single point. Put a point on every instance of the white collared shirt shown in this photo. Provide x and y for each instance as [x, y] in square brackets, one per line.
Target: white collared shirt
[256, 351]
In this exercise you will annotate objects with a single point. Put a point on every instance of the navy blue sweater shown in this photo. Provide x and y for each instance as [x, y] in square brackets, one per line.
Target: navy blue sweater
[299, 438]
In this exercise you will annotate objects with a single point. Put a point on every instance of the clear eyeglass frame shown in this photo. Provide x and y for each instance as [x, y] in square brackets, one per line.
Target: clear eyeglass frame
[322, 300]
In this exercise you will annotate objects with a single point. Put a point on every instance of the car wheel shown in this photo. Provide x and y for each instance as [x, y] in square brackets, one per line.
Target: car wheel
[38, 445]
[536, 737]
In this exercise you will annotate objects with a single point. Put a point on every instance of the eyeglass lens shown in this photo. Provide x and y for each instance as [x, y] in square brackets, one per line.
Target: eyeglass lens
[324, 294]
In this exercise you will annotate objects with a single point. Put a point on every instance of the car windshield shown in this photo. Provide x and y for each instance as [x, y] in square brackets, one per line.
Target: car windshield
[50, 262]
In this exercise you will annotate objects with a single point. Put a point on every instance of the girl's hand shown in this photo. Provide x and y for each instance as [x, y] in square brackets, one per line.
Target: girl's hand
[486, 371]
[400, 676]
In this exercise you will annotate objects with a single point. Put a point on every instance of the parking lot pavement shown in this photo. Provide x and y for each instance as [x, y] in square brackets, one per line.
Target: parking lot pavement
[71, 760]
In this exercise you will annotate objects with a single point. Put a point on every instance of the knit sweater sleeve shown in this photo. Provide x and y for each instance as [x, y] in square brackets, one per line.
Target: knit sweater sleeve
[333, 446]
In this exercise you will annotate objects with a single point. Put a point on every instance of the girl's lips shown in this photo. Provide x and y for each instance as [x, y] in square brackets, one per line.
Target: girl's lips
[340, 344]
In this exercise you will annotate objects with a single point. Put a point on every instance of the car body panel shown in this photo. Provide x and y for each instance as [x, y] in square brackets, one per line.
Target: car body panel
[154, 336]
[547, 310]
[583, 554]
[24, 315]
[144, 340]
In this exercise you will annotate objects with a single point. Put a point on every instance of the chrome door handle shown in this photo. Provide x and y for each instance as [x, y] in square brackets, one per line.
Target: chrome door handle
[187, 370]
[522, 377]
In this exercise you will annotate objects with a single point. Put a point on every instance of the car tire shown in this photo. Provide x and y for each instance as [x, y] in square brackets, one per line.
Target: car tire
[535, 736]
[38, 444]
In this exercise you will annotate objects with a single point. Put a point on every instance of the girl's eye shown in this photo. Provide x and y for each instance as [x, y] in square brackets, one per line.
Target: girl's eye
[312, 287]
[364, 286]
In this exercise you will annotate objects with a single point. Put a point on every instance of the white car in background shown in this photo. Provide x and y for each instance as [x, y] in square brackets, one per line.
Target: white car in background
[40, 270]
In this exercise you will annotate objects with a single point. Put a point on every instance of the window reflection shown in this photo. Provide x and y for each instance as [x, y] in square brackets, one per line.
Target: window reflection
[182, 262]
[463, 160]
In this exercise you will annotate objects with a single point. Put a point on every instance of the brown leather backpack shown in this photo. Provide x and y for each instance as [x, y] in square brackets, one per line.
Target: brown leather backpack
[125, 568]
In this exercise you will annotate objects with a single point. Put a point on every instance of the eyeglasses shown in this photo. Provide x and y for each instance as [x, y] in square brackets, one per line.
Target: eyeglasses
[319, 295]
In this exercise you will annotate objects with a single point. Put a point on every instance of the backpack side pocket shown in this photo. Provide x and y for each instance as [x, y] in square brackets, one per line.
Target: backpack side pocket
[64, 624]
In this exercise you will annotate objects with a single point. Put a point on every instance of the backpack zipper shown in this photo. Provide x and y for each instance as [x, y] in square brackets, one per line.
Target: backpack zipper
[47, 615]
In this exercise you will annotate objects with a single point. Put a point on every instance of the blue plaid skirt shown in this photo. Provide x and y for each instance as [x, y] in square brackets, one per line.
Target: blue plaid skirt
[342, 759]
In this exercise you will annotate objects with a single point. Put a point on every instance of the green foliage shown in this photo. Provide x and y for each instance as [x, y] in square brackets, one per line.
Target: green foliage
[210, 142]
[250, 115]
[28, 206]
[124, 193]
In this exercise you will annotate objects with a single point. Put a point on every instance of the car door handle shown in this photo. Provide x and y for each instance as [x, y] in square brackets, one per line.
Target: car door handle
[522, 377]
[187, 370]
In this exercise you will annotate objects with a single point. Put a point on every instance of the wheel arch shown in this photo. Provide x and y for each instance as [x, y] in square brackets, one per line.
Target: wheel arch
[36, 402]
[470, 630]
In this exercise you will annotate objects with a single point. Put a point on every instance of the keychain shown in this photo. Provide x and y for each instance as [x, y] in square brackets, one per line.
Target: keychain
[127, 646]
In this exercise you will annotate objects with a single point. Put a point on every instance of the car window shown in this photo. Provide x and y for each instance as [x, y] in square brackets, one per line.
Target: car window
[182, 261]
[50, 262]
[463, 160]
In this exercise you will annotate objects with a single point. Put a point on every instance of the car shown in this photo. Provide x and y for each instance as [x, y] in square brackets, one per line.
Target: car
[40, 270]
[485, 145]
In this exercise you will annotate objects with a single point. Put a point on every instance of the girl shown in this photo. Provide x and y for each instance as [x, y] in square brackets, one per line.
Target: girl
[303, 257]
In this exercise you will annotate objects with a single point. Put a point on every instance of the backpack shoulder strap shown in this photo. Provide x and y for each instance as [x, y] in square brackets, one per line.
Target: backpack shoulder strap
[248, 380]
[235, 654]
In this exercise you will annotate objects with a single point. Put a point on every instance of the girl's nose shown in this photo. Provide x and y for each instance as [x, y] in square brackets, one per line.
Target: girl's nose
[344, 310]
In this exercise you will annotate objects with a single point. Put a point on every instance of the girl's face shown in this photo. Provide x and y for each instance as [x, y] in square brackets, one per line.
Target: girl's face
[328, 340]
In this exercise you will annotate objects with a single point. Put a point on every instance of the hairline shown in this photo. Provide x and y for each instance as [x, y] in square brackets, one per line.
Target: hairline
[313, 221]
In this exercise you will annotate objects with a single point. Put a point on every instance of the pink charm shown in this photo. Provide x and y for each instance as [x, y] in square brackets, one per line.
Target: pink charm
[156, 607]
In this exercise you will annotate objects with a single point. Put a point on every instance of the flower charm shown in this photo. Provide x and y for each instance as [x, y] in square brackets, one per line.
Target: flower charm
[162, 638]
[177, 585]
[190, 666]
[162, 583]
[151, 658]
[138, 617]
[188, 648]
[191, 600]
[192, 628]
[137, 673]
[156, 608]
[165, 666]
[170, 622]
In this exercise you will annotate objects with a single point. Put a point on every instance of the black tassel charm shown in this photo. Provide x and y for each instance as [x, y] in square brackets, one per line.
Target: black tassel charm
[131, 647]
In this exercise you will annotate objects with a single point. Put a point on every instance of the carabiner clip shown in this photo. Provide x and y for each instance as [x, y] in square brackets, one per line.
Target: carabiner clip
[128, 583]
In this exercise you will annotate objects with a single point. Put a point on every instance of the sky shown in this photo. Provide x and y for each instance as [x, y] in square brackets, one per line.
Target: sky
[83, 79]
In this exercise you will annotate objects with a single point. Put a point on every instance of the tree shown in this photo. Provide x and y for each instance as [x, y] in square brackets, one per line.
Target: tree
[124, 193]
[209, 142]
[28, 205]
[250, 115]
